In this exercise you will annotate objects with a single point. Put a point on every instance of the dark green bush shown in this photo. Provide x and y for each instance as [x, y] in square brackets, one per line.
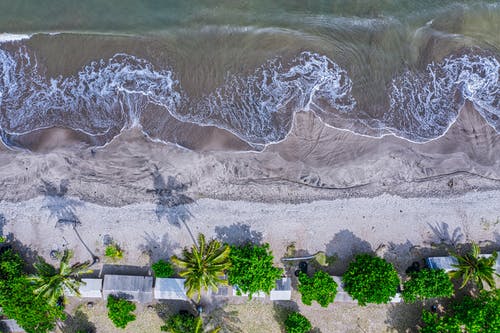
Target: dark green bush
[371, 279]
[297, 323]
[18, 300]
[119, 311]
[180, 323]
[163, 269]
[252, 269]
[479, 314]
[320, 288]
[427, 283]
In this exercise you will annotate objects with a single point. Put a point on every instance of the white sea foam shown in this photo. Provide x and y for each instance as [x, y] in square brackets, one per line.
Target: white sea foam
[7, 37]
[109, 95]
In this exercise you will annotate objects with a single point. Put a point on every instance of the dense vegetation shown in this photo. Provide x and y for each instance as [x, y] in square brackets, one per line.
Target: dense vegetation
[252, 269]
[203, 266]
[320, 288]
[371, 279]
[162, 269]
[18, 299]
[185, 323]
[297, 323]
[119, 311]
[113, 251]
[474, 314]
[427, 283]
[52, 282]
[474, 268]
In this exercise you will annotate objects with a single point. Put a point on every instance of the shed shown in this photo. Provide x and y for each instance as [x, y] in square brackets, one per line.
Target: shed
[167, 288]
[10, 326]
[283, 290]
[445, 263]
[134, 288]
[90, 288]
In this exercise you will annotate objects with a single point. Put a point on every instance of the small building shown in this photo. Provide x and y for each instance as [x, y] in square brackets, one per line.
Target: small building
[134, 288]
[90, 288]
[10, 326]
[445, 263]
[167, 288]
[283, 290]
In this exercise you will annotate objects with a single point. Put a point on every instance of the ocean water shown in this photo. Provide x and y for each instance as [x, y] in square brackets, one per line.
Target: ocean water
[386, 67]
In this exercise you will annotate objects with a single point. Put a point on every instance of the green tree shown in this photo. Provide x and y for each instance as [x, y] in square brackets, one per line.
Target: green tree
[186, 323]
[320, 288]
[479, 314]
[51, 282]
[18, 300]
[252, 269]
[427, 283]
[119, 311]
[371, 279]
[203, 266]
[297, 323]
[162, 269]
[472, 267]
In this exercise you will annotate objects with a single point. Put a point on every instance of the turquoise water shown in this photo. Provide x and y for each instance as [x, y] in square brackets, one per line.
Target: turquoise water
[373, 67]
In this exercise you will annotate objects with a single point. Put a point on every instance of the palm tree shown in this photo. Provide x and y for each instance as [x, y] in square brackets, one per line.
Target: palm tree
[473, 267]
[52, 283]
[203, 266]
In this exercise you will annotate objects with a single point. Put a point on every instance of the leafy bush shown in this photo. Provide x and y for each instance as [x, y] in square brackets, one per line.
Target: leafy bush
[113, 251]
[475, 314]
[297, 323]
[427, 283]
[371, 279]
[320, 288]
[252, 269]
[163, 269]
[18, 299]
[180, 323]
[119, 311]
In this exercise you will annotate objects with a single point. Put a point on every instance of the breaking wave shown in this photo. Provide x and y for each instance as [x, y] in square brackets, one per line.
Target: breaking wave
[107, 96]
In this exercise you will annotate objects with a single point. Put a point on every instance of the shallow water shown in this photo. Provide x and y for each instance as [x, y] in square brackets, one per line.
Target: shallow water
[183, 69]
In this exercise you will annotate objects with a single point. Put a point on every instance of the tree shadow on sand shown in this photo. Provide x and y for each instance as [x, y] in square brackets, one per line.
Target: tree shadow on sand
[59, 206]
[78, 323]
[443, 236]
[216, 315]
[157, 247]
[345, 246]
[171, 203]
[238, 234]
[404, 317]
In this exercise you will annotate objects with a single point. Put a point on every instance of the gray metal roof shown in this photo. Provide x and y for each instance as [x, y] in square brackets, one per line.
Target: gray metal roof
[134, 288]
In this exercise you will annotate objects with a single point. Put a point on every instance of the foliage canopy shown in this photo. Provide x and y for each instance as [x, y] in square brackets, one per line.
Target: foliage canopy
[427, 283]
[320, 288]
[162, 269]
[475, 314]
[297, 323]
[371, 279]
[203, 266]
[18, 299]
[119, 311]
[252, 269]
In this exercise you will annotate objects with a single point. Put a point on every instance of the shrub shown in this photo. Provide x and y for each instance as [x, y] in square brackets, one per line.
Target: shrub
[427, 283]
[371, 279]
[471, 314]
[114, 252]
[119, 311]
[297, 323]
[180, 323]
[252, 269]
[162, 269]
[18, 299]
[320, 288]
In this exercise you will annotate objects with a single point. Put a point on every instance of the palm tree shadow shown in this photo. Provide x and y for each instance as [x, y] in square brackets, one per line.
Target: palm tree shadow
[238, 234]
[59, 206]
[79, 322]
[158, 247]
[442, 235]
[217, 316]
